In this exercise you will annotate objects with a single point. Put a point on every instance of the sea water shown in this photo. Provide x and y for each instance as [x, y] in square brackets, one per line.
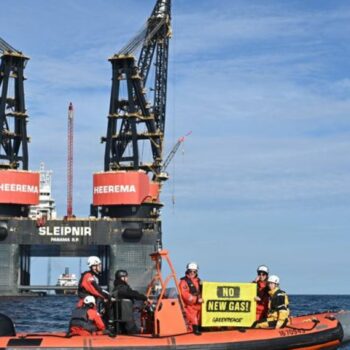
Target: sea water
[52, 313]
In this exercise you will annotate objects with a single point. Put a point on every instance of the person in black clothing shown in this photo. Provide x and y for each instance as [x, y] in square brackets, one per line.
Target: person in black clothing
[122, 290]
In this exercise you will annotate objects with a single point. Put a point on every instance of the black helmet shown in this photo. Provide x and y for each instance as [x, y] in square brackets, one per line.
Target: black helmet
[120, 273]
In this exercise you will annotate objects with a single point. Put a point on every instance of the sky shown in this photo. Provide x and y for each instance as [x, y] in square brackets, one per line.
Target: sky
[264, 86]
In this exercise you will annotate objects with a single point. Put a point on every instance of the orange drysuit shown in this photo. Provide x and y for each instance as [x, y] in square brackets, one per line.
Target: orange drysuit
[190, 293]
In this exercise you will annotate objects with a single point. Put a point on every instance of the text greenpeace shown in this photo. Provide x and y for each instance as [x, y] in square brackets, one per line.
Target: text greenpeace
[65, 234]
[114, 189]
[228, 304]
[19, 188]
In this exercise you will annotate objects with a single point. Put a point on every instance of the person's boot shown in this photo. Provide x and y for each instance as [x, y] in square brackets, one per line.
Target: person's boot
[196, 330]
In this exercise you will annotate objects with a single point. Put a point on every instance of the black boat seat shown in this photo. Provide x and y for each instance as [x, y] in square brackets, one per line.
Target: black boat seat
[7, 328]
[121, 311]
[124, 310]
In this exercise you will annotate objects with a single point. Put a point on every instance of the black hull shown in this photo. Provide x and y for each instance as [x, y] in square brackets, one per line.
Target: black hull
[120, 243]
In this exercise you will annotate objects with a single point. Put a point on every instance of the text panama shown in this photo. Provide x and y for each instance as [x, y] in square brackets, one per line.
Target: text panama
[64, 231]
[114, 189]
[19, 188]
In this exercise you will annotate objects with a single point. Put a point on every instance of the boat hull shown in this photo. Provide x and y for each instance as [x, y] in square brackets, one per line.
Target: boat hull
[311, 332]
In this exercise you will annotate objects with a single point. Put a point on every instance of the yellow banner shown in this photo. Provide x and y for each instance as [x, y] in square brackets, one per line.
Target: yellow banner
[228, 304]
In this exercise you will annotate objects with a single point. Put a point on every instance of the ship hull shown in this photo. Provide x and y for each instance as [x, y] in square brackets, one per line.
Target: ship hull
[65, 292]
[121, 243]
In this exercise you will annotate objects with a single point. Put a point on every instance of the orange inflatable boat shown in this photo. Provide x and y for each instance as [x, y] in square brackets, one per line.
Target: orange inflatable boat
[166, 328]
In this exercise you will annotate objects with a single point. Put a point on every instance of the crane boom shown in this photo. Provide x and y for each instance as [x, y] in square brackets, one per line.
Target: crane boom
[172, 153]
[133, 120]
[157, 39]
[6, 47]
[70, 161]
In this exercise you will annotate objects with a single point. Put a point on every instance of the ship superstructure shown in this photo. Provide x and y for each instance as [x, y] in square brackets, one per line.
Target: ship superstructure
[46, 209]
[67, 282]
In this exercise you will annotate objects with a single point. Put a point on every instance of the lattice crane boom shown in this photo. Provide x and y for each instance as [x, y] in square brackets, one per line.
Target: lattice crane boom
[6, 47]
[173, 151]
[132, 119]
[70, 140]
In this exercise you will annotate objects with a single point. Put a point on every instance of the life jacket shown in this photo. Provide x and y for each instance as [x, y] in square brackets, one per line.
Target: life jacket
[278, 301]
[80, 319]
[82, 292]
[193, 290]
[262, 289]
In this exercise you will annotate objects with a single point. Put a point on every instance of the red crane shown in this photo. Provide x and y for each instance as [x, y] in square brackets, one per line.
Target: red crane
[70, 162]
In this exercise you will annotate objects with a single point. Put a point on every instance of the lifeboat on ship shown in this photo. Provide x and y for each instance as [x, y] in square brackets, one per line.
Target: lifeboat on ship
[166, 328]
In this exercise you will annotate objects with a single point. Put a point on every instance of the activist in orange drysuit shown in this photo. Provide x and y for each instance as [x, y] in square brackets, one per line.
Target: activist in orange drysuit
[86, 320]
[190, 289]
[89, 284]
[262, 298]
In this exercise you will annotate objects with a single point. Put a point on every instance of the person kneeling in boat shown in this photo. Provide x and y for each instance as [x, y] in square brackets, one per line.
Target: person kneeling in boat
[190, 288]
[122, 290]
[278, 306]
[86, 320]
[262, 298]
[89, 284]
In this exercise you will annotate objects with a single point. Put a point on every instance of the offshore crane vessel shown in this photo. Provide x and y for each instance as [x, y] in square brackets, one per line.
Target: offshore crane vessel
[124, 225]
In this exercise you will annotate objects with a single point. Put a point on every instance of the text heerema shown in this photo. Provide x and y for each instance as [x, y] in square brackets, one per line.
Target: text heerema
[19, 188]
[114, 189]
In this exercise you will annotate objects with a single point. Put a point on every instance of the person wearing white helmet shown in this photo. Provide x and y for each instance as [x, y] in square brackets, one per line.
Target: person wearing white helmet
[89, 283]
[278, 306]
[190, 288]
[86, 320]
[262, 298]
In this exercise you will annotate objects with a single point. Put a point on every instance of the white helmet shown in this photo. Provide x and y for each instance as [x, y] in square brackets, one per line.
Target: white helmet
[93, 260]
[89, 300]
[192, 266]
[274, 279]
[263, 268]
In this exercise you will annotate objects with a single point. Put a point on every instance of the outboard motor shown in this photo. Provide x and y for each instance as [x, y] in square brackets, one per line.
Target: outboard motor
[344, 318]
[7, 328]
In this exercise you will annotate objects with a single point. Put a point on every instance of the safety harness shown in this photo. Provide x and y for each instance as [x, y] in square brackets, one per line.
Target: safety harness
[279, 301]
[80, 319]
[193, 290]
